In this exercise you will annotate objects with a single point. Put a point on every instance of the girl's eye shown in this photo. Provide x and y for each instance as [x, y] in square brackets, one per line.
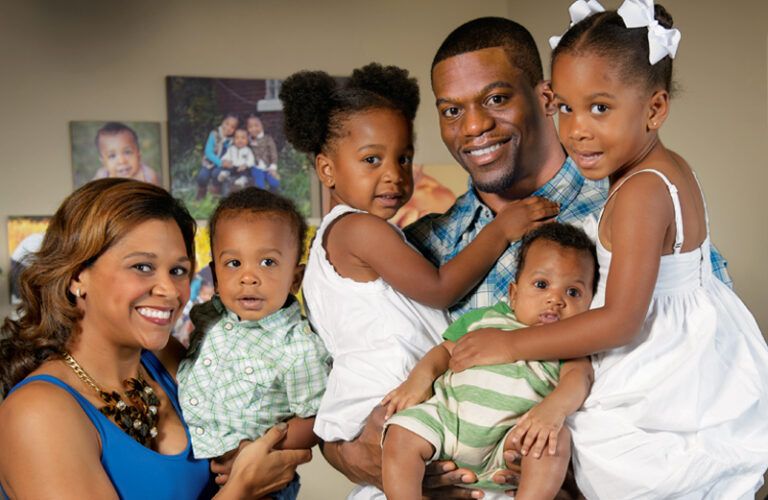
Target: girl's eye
[232, 263]
[406, 160]
[540, 284]
[451, 112]
[143, 268]
[599, 109]
[574, 292]
[268, 262]
[373, 160]
[564, 108]
[180, 271]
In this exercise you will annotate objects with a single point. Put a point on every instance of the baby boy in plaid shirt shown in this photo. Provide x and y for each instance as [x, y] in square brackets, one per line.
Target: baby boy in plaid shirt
[253, 360]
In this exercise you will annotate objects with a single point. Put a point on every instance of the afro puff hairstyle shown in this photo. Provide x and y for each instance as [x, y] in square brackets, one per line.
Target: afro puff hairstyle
[315, 106]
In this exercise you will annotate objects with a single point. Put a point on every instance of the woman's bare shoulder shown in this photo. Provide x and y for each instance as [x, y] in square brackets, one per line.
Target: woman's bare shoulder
[42, 426]
[39, 407]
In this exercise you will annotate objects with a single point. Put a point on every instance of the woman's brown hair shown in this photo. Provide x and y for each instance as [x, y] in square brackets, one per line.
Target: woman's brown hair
[87, 224]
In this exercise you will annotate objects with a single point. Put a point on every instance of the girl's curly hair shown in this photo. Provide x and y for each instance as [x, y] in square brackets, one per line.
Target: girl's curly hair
[315, 106]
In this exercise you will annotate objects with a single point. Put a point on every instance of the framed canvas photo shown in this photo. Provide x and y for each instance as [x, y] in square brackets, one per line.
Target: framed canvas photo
[431, 194]
[225, 134]
[25, 235]
[115, 149]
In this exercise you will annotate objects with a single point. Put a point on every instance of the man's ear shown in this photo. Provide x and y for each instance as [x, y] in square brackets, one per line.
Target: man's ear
[298, 275]
[546, 97]
[658, 110]
[324, 169]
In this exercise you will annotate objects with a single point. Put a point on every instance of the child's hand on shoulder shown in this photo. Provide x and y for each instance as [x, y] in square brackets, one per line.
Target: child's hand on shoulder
[411, 392]
[537, 430]
[486, 346]
[520, 216]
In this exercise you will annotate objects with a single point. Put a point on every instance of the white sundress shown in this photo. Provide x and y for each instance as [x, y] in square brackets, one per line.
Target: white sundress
[682, 412]
[374, 333]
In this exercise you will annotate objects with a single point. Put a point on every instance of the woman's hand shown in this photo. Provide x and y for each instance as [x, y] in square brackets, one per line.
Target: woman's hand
[259, 469]
[487, 346]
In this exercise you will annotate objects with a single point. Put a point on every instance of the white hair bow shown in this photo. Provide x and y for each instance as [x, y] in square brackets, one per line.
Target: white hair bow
[579, 10]
[661, 41]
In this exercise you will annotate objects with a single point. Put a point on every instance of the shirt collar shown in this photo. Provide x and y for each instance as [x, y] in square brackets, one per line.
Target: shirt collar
[563, 188]
[278, 321]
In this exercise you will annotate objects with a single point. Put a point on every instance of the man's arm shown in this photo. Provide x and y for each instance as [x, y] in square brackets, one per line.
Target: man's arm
[719, 267]
[360, 459]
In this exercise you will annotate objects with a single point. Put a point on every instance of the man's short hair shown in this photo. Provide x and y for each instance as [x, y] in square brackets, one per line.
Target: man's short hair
[490, 32]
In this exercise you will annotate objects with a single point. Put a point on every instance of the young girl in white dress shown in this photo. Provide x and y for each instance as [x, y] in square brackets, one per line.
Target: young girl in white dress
[679, 407]
[373, 299]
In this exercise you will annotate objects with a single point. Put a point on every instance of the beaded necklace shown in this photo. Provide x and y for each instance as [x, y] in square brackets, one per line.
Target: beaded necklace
[138, 419]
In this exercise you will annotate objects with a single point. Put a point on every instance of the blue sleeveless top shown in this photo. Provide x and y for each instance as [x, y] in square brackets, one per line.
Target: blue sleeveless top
[135, 470]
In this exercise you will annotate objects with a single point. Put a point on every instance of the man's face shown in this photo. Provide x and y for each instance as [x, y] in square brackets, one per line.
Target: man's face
[488, 116]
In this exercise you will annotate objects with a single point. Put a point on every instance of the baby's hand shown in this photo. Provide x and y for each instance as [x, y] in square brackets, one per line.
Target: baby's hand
[520, 216]
[407, 394]
[538, 429]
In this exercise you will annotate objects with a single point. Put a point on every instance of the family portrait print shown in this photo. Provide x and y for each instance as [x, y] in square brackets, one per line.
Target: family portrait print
[225, 134]
[116, 149]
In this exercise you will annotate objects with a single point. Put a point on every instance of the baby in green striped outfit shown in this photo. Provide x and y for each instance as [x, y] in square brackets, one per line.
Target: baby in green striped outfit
[476, 414]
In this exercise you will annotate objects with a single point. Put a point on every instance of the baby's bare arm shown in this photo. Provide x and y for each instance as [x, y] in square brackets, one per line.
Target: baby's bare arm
[540, 427]
[418, 387]
[300, 435]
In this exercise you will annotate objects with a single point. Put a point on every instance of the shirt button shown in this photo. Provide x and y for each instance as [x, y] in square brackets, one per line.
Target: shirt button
[228, 326]
[200, 431]
[207, 362]
[248, 370]
[193, 401]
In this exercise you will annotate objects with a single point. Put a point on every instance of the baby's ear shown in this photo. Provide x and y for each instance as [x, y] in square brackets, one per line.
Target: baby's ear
[213, 276]
[324, 169]
[298, 275]
[512, 294]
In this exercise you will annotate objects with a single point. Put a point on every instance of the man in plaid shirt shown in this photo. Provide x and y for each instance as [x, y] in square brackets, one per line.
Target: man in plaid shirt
[496, 118]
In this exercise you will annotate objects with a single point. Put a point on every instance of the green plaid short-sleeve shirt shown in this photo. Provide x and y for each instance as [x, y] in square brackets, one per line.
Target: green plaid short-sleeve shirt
[239, 378]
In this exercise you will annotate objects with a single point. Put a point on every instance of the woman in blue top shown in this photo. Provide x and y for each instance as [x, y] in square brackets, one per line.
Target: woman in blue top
[90, 411]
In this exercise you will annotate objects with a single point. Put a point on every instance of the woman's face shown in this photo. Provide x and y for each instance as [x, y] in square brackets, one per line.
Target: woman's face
[135, 291]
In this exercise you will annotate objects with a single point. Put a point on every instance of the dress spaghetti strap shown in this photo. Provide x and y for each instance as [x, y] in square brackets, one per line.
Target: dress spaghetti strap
[675, 202]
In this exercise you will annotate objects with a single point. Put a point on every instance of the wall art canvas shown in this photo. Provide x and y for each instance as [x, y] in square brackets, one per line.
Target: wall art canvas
[116, 149]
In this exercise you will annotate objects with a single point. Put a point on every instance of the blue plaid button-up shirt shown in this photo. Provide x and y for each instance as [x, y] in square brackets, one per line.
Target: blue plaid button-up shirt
[439, 237]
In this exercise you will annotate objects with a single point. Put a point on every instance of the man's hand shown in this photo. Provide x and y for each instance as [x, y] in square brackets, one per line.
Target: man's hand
[360, 459]
[441, 479]
[487, 346]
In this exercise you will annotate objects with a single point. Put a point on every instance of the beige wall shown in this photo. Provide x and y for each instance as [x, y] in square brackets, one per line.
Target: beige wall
[96, 60]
